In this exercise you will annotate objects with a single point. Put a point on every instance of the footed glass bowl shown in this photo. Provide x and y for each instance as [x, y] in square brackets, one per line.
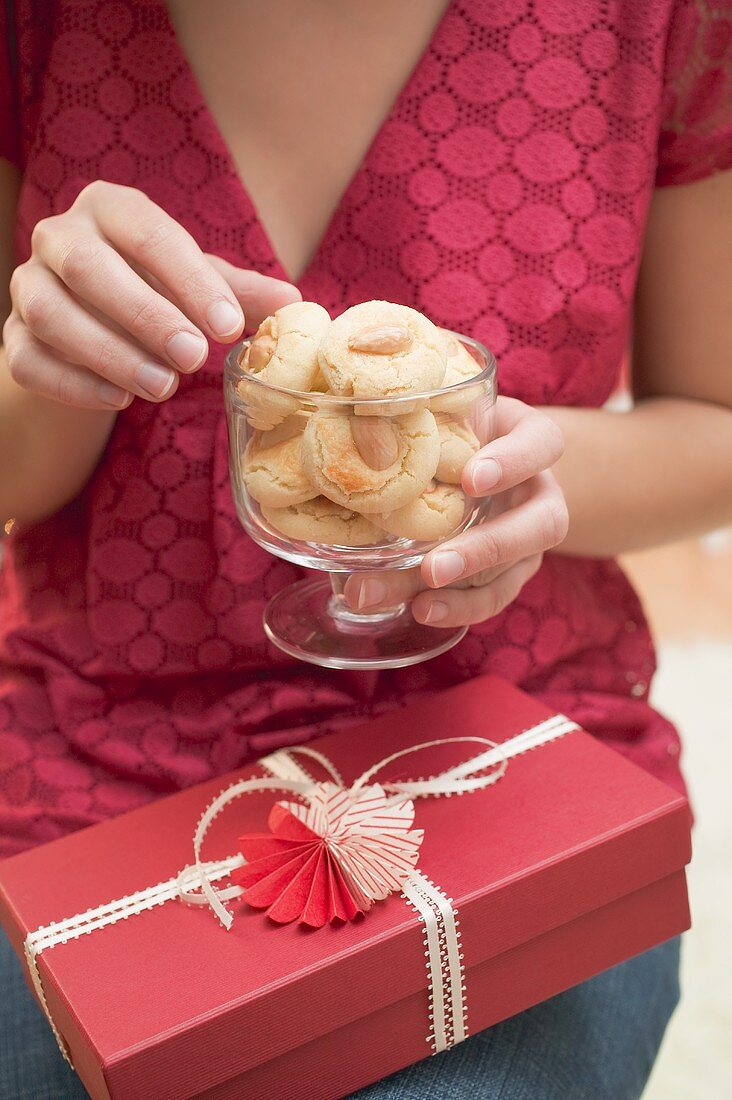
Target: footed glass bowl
[292, 459]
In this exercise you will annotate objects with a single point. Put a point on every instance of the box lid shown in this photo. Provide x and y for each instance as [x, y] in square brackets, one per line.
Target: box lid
[170, 1004]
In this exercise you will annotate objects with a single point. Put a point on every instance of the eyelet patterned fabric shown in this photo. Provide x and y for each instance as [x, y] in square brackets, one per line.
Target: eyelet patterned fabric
[504, 195]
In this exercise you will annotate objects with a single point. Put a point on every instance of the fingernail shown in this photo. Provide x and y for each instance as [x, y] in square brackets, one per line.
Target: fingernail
[371, 592]
[155, 380]
[436, 612]
[187, 350]
[486, 474]
[113, 395]
[225, 319]
[446, 566]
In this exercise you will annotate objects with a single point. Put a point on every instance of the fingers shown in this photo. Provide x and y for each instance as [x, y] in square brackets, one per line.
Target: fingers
[531, 443]
[483, 596]
[537, 524]
[143, 232]
[61, 323]
[35, 367]
[138, 274]
[96, 273]
[260, 295]
[369, 591]
[462, 607]
[481, 565]
[118, 289]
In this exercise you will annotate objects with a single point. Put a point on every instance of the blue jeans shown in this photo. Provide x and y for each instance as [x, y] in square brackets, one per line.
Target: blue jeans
[597, 1041]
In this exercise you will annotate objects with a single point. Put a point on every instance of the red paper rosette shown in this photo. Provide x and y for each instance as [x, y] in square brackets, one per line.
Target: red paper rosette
[330, 859]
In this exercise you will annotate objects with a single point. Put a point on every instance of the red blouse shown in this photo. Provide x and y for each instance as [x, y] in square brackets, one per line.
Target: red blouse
[505, 195]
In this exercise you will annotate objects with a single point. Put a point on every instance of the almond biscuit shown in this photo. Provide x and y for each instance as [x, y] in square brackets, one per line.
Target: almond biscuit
[323, 522]
[272, 471]
[460, 367]
[283, 352]
[370, 464]
[458, 444]
[379, 349]
[431, 517]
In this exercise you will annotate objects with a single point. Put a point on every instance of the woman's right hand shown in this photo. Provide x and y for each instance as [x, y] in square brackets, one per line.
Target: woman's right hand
[117, 299]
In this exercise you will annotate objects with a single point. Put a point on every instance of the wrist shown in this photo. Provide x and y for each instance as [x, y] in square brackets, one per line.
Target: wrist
[48, 451]
[659, 472]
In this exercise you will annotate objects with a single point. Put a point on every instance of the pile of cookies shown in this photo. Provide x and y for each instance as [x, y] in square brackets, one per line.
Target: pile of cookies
[357, 475]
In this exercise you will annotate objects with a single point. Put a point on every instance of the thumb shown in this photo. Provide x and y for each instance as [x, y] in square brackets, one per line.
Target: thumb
[258, 294]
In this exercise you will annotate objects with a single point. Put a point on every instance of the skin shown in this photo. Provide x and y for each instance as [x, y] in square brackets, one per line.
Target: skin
[90, 330]
[583, 481]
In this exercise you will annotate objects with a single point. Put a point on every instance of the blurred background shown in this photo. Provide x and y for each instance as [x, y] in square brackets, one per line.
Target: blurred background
[687, 592]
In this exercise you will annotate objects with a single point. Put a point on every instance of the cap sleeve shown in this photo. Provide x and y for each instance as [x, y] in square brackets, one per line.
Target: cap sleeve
[9, 122]
[696, 130]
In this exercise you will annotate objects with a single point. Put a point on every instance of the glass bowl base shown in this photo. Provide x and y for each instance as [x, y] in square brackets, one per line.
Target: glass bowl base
[312, 623]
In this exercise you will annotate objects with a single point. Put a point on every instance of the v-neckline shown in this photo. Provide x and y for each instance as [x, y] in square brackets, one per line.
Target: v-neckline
[250, 213]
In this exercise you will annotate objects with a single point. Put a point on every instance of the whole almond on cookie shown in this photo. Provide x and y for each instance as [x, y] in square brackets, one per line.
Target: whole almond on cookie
[261, 351]
[376, 441]
[381, 339]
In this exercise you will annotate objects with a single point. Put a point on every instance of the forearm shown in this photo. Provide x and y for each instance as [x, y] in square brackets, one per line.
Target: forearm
[48, 450]
[662, 471]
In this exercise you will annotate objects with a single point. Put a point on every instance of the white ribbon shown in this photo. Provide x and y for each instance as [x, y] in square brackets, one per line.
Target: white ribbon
[195, 884]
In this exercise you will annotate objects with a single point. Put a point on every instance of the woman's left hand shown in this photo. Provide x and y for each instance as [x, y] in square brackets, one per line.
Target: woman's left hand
[480, 571]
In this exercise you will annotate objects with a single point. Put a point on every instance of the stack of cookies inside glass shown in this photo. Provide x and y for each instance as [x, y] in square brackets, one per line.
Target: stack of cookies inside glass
[364, 452]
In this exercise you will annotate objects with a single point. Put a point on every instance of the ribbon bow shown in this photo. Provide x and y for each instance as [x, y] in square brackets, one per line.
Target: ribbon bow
[338, 851]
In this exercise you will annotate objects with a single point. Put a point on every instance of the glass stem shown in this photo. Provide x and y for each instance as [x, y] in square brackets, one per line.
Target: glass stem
[351, 619]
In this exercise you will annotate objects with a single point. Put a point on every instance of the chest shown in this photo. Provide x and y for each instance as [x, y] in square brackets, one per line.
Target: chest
[503, 193]
[299, 91]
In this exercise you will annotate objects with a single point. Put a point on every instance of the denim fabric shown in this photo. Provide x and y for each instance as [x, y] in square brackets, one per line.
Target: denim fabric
[597, 1041]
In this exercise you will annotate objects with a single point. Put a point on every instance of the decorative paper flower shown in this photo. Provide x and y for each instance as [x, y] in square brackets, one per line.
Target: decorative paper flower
[330, 859]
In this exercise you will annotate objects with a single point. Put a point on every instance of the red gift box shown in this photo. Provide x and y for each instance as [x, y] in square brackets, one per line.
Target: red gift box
[571, 863]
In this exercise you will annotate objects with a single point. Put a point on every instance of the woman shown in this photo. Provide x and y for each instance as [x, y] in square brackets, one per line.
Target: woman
[509, 187]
